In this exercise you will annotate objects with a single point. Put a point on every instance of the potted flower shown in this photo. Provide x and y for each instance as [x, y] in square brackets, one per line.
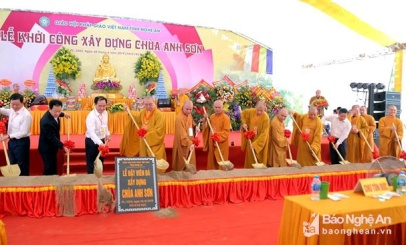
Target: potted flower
[106, 86]
[147, 69]
[65, 66]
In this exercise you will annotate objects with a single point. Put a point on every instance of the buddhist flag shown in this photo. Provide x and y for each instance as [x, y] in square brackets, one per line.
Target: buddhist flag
[255, 59]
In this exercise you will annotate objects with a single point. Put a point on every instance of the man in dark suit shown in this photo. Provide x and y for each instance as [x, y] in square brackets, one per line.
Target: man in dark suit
[49, 137]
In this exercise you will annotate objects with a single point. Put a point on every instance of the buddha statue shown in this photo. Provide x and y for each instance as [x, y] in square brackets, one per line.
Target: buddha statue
[105, 71]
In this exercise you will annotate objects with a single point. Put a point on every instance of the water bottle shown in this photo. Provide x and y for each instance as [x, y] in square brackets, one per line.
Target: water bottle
[401, 190]
[315, 188]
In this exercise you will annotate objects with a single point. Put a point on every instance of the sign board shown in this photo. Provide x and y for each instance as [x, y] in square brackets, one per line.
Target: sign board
[136, 184]
[372, 186]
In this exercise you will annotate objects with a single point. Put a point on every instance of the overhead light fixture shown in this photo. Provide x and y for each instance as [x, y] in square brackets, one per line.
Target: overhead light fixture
[353, 85]
[365, 85]
[359, 85]
[380, 86]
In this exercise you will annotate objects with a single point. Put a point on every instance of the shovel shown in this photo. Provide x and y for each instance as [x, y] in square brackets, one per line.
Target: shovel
[318, 162]
[290, 161]
[98, 166]
[256, 164]
[367, 143]
[68, 155]
[160, 162]
[343, 161]
[190, 167]
[226, 165]
[11, 169]
[397, 138]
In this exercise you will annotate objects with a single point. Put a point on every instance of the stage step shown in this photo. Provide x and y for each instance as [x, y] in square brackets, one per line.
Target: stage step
[77, 162]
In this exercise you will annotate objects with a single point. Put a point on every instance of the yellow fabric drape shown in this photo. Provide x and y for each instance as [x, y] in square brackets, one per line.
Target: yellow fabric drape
[117, 122]
[350, 20]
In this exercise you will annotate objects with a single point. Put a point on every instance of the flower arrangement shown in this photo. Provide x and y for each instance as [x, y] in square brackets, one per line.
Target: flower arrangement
[320, 103]
[147, 68]
[106, 86]
[65, 66]
[151, 89]
[275, 105]
[116, 107]
[62, 88]
[202, 97]
[5, 94]
[225, 92]
[244, 97]
[29, 96]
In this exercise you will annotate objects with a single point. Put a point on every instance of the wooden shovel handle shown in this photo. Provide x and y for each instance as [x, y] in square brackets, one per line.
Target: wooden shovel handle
[136, 125]
[211, 130]
[310, 148]
[5, 151]
[397, 138]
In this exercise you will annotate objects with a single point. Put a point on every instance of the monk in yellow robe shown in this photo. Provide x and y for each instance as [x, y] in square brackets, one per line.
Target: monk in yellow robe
[367, 155]
[257, 120]
[311, 125]
[183, 140]
[355, 144]
[318, 96]
[388, 127]
[278, 144]
[130, 143]
[152, 120]
[220, 123]
[180, 100]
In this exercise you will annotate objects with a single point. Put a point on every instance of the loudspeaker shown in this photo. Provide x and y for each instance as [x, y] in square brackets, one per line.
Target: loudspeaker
[164, 103]
[384, 96]
[382, 100]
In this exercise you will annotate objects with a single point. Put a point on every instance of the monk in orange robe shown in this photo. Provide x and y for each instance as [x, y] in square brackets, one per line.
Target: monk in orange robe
[318, 96]
[180, 100]
[388, 127]
[311, 125]
[257, 120]
[130, 143]
[355, 144]
[367, 155]
[183, 140]
[152, 120]
[277, 142]
[220, 123]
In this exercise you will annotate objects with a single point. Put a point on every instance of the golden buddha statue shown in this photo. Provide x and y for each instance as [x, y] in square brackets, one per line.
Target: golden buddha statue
[105, 71]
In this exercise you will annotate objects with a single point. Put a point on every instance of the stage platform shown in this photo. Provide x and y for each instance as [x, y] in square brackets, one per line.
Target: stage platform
[78, 164]
[47, 196]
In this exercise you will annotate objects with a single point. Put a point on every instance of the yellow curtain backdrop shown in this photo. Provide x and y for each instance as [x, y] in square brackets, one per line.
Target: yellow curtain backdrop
[117, 122]
[350, 20]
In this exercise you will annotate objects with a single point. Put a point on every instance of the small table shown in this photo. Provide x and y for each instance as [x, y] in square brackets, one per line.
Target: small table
[336, 222]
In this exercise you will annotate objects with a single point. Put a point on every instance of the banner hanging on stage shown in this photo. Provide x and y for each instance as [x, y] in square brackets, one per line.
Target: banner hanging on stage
[188, 54]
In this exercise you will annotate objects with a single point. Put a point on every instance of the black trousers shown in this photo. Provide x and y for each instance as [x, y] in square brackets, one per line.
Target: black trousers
[19, 153]
[335, 158]
[92, 150]
[50, 160]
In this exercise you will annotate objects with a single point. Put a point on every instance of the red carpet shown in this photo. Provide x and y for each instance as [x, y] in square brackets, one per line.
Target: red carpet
[245, 223]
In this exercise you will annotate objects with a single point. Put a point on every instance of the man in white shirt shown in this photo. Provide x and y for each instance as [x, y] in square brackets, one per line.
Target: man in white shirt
[340, 128]
[97, 131]
[18, 132]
